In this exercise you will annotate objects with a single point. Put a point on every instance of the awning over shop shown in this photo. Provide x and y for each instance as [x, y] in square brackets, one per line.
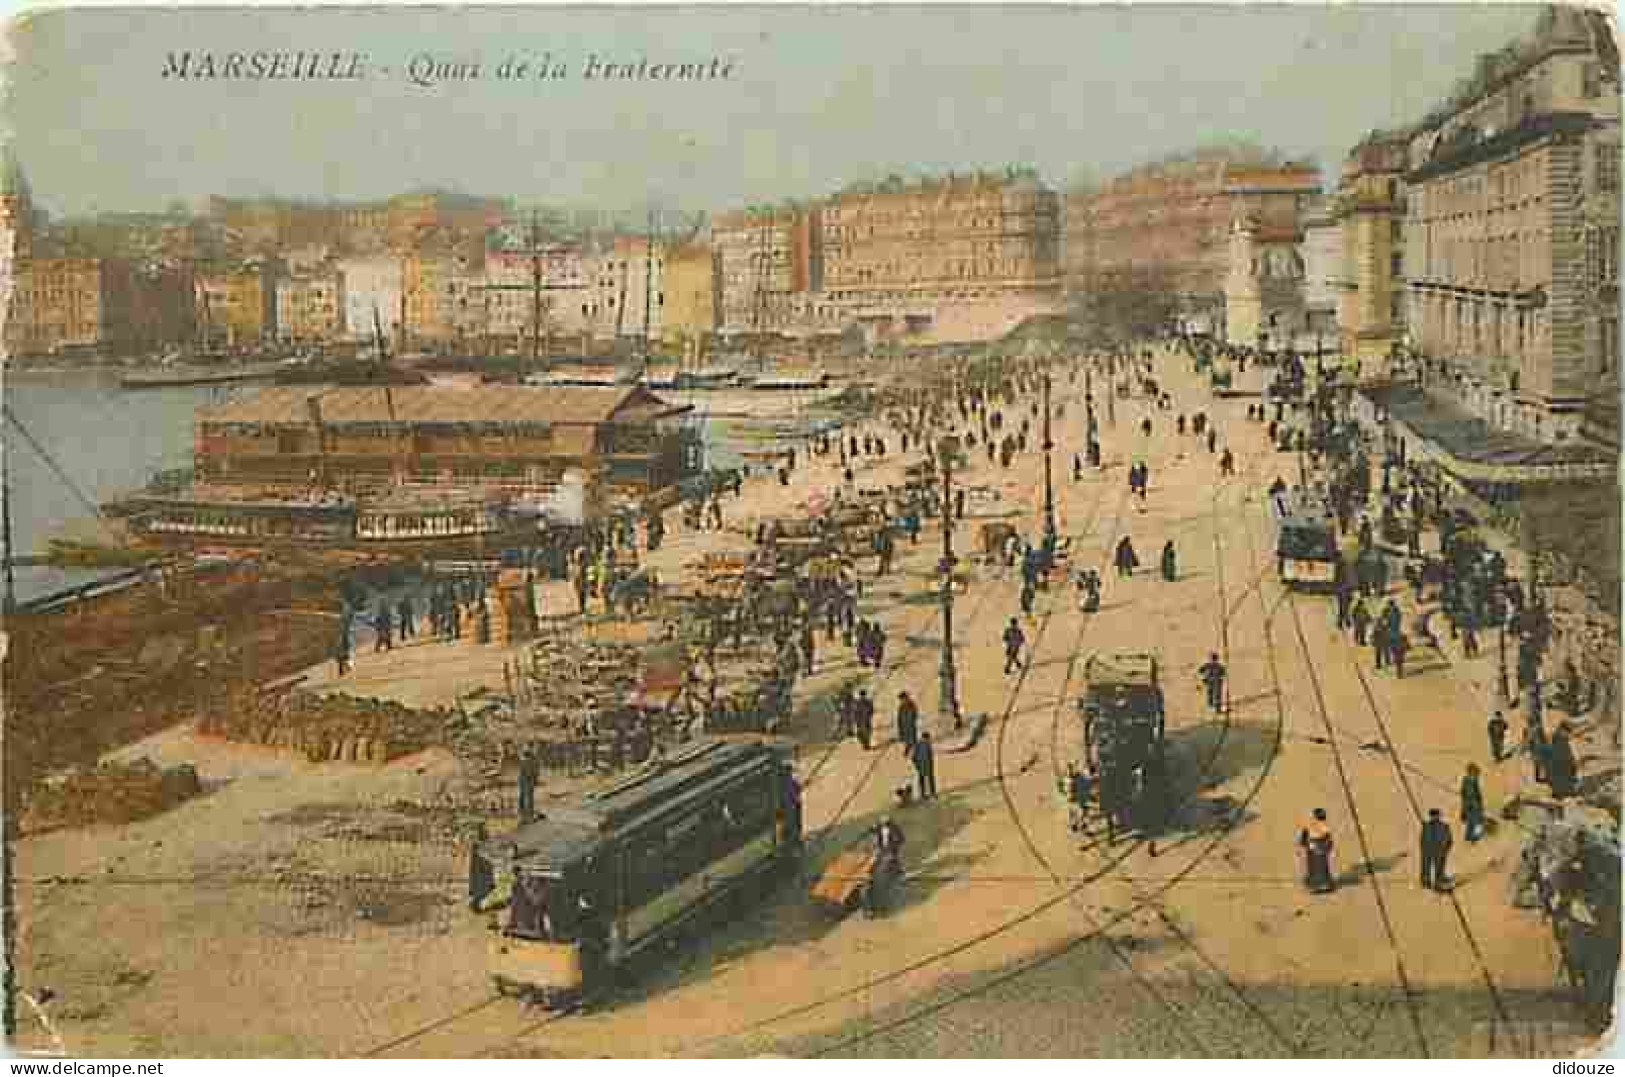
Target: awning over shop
[1475, 451]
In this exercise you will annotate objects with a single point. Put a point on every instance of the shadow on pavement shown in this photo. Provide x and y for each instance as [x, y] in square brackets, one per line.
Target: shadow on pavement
[786, 917]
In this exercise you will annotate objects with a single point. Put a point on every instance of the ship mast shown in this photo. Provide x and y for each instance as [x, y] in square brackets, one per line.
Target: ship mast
[378, 336]
[648, 288]
[5, 530]
[535, 289]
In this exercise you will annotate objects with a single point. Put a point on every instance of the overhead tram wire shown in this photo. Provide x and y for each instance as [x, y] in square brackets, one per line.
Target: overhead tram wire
[50, 461]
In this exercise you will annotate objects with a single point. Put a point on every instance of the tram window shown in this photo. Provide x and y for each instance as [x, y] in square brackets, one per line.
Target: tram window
[646, 868]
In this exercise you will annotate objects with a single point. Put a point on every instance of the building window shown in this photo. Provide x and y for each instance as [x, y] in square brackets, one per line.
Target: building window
[1607, 167]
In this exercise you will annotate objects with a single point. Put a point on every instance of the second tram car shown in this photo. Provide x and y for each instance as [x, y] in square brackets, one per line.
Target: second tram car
[1306, 552]
[599, 880]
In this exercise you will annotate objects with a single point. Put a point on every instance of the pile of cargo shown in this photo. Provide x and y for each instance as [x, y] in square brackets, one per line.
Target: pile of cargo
[110, 793]
[82, 682]
[578, 702]
[328, 728]
[575, 678]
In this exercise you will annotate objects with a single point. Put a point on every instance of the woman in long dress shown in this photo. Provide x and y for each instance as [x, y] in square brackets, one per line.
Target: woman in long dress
[1316, 841]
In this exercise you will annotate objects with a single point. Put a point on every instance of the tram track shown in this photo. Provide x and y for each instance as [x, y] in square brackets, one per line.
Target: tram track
[1404, 772]
[467, 1012]
[1407, 989]
[1227, 613]
[1146, 900]
[1070, 887]
[873, 767]
[1502, 1018]
[928, 615]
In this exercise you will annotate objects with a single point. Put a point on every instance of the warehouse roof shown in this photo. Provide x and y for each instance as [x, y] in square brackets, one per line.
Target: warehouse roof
[289, 405]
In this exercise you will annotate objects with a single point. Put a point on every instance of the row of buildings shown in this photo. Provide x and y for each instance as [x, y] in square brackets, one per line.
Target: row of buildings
[1482, 240]
[1485, 236]
[957, 257]
[266, 277]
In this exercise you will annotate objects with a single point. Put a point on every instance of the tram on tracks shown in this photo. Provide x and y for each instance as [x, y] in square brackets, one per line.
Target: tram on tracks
[601, 879]
[1306, 550]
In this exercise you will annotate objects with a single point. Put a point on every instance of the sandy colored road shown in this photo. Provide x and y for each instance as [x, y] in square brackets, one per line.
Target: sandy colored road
[220, 928]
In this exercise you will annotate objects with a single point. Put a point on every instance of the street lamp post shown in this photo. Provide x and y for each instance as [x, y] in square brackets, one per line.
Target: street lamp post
[1111, 388]
[949, 675]
[1506, 696]
[1049, 484]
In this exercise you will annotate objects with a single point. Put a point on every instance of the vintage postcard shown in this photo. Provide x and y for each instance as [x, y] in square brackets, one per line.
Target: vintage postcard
[695, 531]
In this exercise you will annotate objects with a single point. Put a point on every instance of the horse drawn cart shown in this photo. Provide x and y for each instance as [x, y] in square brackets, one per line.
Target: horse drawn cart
[1124, 733]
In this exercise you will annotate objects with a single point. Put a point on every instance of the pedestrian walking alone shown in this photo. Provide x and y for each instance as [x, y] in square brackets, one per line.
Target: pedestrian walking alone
[925, 766]
[1496, 727]
[1315, 839]
[1125, 558]
[1170, 565]
[1472, 805]
[1212, 675]
[1436, 842]
[481, 878]
[1360, 618]
[1014, 639]
[863, 718]
[908, 721]
[1562, 770]
[1534, 739]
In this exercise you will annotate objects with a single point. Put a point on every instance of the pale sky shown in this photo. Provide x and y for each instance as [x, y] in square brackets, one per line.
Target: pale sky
[820, 97]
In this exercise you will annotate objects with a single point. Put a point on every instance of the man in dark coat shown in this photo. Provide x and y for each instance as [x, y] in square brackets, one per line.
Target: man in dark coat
[1562, 771]
[1014, 639]
[1497, 730]
[1539, 747]
[382, 625]
[1472, 804]
[845, 712]
[908, 721]
[1212, 675]
[1436, 842]
[863, 717]
[1345, 592]
[924, 759]
[481, 879]
[1125, 558]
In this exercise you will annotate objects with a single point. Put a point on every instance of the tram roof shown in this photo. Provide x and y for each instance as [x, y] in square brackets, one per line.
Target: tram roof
[1121, 669]
[566, 833]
